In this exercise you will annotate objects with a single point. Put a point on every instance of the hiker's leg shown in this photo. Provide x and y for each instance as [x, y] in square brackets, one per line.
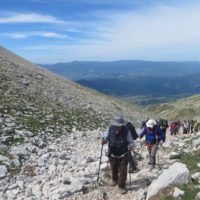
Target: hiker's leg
[123, 171]
[149, 150]
[114, 168]
[164, 135]
[153, 154]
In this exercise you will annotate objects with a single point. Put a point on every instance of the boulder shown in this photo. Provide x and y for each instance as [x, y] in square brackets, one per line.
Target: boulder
[197, 196]
[176, 174]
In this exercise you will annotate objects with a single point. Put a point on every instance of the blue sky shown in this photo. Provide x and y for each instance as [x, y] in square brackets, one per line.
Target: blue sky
[51, 31]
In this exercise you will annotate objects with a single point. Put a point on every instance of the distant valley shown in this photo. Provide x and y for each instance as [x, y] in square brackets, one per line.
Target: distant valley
[140, 82]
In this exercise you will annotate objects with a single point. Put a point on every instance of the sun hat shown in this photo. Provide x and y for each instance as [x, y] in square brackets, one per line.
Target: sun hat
[118, 121]
[151, 123]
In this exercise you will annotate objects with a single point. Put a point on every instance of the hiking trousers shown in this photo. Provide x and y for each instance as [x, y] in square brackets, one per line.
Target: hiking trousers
[119, 170]
[152, 148]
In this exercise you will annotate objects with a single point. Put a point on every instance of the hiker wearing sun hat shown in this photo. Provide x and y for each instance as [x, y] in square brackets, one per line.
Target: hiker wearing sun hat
[120, 142]
[154, 136]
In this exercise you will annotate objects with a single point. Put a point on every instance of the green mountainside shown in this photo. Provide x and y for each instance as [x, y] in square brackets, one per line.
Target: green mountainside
[38, 100]
[182, 109]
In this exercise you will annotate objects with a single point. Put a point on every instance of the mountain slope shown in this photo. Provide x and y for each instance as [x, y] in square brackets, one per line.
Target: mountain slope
[38, 163]
[186, 108]
[26, 88]
[49, 129]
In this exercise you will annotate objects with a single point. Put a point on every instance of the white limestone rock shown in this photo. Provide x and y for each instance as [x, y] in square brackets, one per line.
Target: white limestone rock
[3, 171]
[52, 147]
[20, 184]
[176, 174]
[20, 133]
[196, 176]
[174, 155]
[104, 167]
[21, 151]
[178, 193]
[3, 158]
[166, 144]
[3, 148]
[37, 191]
[196, 142]
[197, 196]
[15, 163]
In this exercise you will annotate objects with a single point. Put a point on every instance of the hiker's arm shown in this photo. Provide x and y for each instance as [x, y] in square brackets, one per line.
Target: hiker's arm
[104, 137]
[142, 133]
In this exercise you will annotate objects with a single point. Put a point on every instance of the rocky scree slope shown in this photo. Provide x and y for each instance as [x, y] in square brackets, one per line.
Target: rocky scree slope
[176, 176]
[47, 148]
[45, 98]
[183, 109]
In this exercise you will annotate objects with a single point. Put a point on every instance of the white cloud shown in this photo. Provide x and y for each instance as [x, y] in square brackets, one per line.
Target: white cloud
[161, 26]
[24, 35]
[29, 18]
[127, 35]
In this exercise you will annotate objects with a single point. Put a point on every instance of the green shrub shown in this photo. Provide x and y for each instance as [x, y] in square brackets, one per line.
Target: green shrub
[191, 161]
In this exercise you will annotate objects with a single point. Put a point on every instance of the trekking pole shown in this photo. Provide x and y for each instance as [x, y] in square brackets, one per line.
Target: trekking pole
[98, 175]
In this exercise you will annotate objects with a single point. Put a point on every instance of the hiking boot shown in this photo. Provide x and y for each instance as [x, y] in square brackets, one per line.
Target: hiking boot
[122, 190]
[113, 183]
[136, 170]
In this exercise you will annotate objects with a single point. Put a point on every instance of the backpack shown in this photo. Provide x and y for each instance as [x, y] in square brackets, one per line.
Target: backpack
[132, 130]
[117, 142]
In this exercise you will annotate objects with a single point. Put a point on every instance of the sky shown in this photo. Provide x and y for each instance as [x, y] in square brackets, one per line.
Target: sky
[52, 31]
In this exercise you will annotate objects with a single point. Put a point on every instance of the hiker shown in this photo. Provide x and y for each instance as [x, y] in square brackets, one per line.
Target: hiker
[185, 129]
[154, 136]
[192, 122]
[131, 157]
[164, 125]
[120, 142]
[196, 126]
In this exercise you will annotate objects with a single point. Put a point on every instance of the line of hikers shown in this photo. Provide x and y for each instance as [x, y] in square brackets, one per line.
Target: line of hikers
[120, 136]
[188, 126]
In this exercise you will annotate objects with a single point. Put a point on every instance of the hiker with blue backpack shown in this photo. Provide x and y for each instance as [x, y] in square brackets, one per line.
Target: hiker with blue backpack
[154, 137]
[120, 143]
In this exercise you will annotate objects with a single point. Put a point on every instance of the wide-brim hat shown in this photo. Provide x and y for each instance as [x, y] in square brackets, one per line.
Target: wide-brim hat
[151, 123]
[118, 121]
